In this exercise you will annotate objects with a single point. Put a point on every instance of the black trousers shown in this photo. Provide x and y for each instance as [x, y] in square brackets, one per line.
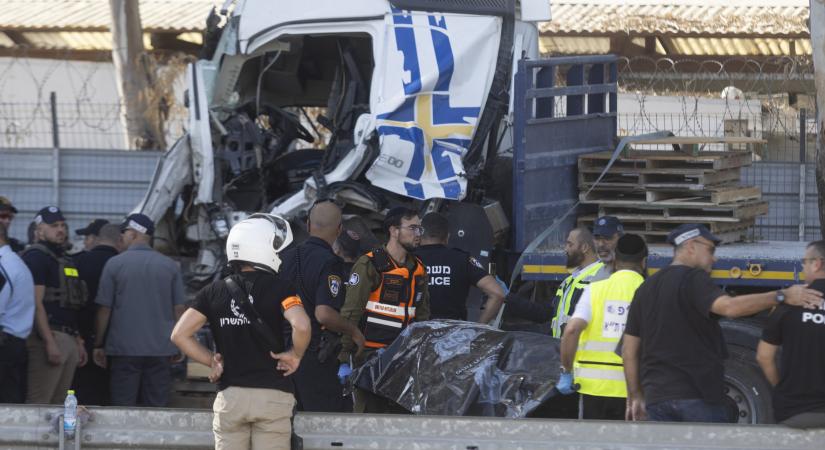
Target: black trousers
[603, 408]
[14, 360]
[317, 388]
[91, 383]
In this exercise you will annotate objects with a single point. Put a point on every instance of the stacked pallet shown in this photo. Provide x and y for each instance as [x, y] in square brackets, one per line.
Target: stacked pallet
[653, 192]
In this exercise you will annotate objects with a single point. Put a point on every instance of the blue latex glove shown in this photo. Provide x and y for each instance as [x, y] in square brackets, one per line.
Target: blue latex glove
[344, 371]
[565, 384]
[503, 285]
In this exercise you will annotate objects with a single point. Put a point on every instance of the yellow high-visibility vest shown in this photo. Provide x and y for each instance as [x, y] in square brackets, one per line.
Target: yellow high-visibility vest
[597, 368]
[565, 293]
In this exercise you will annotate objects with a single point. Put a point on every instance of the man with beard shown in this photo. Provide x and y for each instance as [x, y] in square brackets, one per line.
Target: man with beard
[55, 347]
[606, 233]
[584, 265]
[387, 291]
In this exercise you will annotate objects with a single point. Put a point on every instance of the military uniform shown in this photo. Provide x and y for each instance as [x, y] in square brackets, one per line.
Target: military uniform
[318, 275]
[383, 298]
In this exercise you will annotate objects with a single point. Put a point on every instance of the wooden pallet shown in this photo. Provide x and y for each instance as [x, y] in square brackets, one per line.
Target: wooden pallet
[657, 232]
[688, 214]
[695, 179]
[641, 159]
[709, 196]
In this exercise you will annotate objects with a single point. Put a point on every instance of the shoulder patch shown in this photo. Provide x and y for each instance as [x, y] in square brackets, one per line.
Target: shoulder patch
[353, 279]
[334, 282]
[476, 263]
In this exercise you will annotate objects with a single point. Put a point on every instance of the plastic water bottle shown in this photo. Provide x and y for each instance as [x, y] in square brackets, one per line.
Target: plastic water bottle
[70, 414]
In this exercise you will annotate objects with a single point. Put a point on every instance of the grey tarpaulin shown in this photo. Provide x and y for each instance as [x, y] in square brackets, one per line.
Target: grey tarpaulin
[450, 367]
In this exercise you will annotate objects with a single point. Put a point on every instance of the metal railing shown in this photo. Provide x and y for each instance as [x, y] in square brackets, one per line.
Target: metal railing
[32, 426]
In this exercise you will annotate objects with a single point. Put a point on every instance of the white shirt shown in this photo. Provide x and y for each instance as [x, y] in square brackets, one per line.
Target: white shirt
[17, 295]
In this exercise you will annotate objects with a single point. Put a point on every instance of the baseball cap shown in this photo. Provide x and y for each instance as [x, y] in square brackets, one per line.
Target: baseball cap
[5, 205]
[93, 228]
[49, 215]
[607, 226]
[140, 223]
[689, 231]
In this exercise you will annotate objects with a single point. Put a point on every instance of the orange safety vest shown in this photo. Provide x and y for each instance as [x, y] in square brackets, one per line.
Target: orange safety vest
[391, 306]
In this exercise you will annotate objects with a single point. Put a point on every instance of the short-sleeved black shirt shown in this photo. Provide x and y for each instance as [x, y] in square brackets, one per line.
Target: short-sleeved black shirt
[682, 347]
[321, 278]
[247, 362]
[46, 272]
[90, 267]
[801, 333]
[451, 273]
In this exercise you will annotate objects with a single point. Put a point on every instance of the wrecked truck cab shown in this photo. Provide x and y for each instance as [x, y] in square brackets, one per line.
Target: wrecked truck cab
[372, 105]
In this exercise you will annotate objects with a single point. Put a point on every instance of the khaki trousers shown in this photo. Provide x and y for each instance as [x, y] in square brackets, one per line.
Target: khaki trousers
[48, 383]
[251, 418]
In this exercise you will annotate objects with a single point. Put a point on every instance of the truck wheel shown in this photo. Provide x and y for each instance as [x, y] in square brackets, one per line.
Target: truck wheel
[748, 393]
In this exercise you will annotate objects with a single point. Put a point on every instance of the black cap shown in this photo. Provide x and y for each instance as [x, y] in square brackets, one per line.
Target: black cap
[631, 247]
[5, 205]
[690, 231]
[607, 226]
[140, 223]
[49, 215]
[93, 228]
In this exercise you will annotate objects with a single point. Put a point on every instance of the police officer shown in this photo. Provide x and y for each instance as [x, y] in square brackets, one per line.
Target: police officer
[590, 337]
[91, 233]
[7, 213]
[318, 275]
[55, 348]
[254, 404]
[606, 233]
[582, 260]
[91, 381]
[387, 291]
[451, 272]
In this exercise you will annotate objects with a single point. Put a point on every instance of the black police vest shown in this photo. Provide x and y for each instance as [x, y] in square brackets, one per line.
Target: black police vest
[71, 292]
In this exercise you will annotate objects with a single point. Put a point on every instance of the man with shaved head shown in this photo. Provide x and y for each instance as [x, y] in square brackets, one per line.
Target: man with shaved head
[318, 274]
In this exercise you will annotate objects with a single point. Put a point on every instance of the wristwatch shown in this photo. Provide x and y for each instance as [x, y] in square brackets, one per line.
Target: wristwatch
[780, 296]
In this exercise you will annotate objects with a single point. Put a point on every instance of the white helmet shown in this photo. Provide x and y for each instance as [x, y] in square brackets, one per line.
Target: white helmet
[257, 240]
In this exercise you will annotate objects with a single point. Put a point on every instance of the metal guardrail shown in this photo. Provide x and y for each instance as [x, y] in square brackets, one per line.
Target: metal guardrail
[35, 427]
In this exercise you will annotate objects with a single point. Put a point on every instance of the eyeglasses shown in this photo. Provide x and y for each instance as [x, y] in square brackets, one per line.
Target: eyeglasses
[7, 216]
[806, 260]
[711, 247]
[417, 230]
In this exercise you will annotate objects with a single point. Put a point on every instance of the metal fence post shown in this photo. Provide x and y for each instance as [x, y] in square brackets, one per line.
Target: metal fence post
[55, 151]
[803, 144]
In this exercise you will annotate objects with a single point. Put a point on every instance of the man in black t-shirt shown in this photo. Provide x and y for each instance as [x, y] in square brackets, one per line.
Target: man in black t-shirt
[799, 390]
[673, 346]
[451, 272]
[254, 404]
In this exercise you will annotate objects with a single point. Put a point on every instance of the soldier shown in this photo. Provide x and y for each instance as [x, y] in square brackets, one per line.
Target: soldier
[387, 291]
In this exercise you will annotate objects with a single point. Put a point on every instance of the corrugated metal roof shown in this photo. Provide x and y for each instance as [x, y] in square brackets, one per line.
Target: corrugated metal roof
[673, 17]
[689, 46]
[95, 15]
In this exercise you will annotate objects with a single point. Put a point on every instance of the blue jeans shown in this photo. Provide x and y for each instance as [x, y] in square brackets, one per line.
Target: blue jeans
[690, 410]
[140, 380]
